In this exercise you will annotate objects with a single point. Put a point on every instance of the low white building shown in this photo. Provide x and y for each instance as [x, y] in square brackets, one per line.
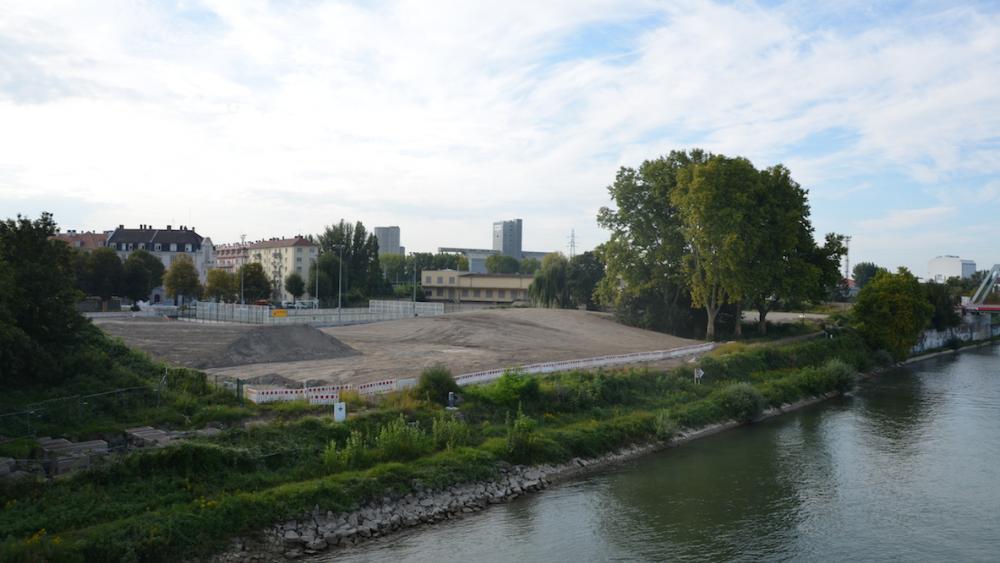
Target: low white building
[941, 268]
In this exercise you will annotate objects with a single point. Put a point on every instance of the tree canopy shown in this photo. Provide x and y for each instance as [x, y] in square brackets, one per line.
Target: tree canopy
[500, 264]
[181, 279]
[709, 231]
[864, 272]
[295, 285]
[256, 284]
[362, 268]
[222, 286]
[891, 311]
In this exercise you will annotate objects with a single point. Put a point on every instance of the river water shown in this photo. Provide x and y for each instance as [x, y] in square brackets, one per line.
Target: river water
[907, 469]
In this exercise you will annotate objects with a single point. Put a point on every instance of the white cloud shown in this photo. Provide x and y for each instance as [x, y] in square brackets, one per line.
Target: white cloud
[898, 219]
[273, 118]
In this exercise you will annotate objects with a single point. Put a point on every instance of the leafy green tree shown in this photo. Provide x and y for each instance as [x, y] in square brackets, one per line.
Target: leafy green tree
[136, 285]
[106, 273]
[394, 268]
[256, 284]
[584, 272]
[550, 288]
[782, 260]
[865, 272]
[715, 201]
[891, 311]
[181, 279]
[143, 272]
[499, 264]
[38, 317]
[295, 285]
[152, 264]
[529, 266]
[362, 270]
[644, 280]
[945, 306]
[222, 286]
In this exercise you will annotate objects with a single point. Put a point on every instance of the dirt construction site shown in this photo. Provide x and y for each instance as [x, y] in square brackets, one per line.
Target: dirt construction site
[464, 342]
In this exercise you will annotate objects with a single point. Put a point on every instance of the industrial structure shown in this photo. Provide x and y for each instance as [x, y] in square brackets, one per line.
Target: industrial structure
[941, 268]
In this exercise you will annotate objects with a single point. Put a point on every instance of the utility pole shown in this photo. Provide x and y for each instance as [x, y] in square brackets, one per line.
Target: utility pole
[414, 256]
[340, 283]
[316, 267]
[847, 257]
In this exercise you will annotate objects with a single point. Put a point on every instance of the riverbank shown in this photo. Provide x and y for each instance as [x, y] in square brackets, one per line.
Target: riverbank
[390, 515]
[187, 501]
[317, 531]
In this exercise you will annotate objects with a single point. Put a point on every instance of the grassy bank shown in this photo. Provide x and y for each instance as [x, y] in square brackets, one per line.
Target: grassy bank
[189, 499]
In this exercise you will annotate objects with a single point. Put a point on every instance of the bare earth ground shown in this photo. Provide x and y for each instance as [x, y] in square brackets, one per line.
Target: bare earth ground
[464, 342]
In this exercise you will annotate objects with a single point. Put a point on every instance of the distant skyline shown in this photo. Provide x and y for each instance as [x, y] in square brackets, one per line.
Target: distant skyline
[277, 119]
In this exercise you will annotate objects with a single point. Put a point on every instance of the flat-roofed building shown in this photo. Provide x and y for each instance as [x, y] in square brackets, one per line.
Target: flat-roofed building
[470, 287]
[941, 268]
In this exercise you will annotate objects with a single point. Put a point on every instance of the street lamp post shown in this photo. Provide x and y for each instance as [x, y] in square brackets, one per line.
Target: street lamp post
[243, 262]
[414, 286]
[340, 282]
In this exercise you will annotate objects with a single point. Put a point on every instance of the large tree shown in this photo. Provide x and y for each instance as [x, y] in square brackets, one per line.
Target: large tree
[362, 271]
[864, 272]
[222, 286]
[181, 279]
[782, 260]
[584, 272]
[891, 312]
[644, 280]
[256, 284]
[106, 273]
[715, 200]
[143, 273]
[295, 285]
[529, 266]
[945, 306]
[550, 287]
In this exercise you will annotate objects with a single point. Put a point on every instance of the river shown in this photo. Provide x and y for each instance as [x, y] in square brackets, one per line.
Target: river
[906, 469]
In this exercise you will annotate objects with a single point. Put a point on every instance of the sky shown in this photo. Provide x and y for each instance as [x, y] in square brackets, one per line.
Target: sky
[278, 118]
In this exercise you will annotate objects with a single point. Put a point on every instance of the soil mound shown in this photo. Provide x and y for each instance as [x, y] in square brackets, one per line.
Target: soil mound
[285, 343]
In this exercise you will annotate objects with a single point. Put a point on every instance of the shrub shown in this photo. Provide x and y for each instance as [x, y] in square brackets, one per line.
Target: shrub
[664, 426]
[353, 399]
[842, 376]
[399, 441]
[447, 432]
[435, 384]
[521, 438]
[883, 358]
[513, 388]
[740, 401]
[353, 455]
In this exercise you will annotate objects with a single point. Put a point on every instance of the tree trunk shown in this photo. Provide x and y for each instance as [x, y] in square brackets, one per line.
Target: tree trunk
[762, 320]
[710, 328]
[738, 329]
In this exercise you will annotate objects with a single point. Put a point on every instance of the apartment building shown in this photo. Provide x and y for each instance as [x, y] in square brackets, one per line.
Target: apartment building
[468, 287]
[282, 257]
[85, 241]
[166, 244]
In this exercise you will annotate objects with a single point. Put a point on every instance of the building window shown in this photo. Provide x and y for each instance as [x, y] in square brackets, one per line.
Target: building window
[440, 291]
[489, 293]
[298, 259]
[465, 293]
[173, 247]
[298, 251]
[142, 246]
[451, 280]
[475, 293]
[157, 247]
[187, 247]
[440, 279]
[501, 293]
[427, 279]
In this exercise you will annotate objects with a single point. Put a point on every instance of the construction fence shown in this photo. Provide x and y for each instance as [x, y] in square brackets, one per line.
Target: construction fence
[389, 385]
[377, 310]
